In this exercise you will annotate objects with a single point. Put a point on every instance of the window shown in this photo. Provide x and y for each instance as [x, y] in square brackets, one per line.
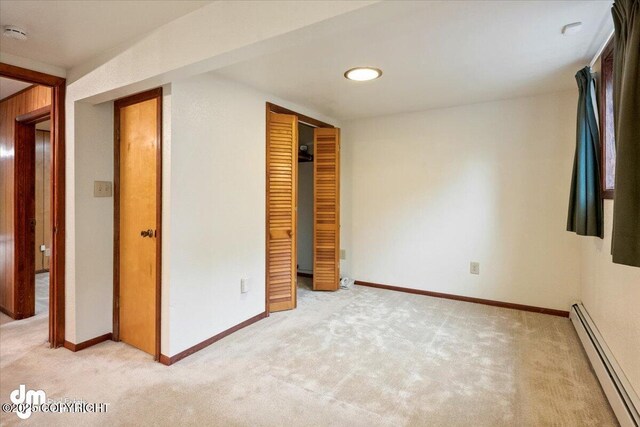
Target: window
[607, 131]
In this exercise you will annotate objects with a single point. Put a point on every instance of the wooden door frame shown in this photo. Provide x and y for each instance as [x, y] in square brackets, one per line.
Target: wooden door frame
[273, 108]
[117, 105]
[24, 210]
[57, 264]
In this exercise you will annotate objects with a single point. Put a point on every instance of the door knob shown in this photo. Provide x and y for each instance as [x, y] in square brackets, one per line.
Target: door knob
[146, 233]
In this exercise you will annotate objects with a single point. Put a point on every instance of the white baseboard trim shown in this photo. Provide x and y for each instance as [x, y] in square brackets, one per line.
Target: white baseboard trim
[621, 396]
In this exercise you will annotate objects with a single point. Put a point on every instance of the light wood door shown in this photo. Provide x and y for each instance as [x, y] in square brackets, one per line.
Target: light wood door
[139, 140]
[326, 207]
[282, 163]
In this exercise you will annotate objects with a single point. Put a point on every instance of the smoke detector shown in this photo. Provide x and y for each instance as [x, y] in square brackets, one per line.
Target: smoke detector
[14, 32]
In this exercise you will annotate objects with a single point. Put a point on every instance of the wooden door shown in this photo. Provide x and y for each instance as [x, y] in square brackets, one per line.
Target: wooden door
[282, 164]
[326, 209]
[136, 320]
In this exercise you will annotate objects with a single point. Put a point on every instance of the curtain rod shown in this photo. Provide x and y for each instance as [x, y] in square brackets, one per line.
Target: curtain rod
[599, 52]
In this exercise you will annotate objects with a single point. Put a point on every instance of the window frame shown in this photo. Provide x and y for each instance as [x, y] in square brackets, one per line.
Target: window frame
[607, 129]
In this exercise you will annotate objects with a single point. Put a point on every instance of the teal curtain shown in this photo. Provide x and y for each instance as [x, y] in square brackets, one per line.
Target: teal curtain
[585, 204]
[625, 241]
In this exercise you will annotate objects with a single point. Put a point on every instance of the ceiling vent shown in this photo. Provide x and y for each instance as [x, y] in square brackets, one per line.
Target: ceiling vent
[14, 32]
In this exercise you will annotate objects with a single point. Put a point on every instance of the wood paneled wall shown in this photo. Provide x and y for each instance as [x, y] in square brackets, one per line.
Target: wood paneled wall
[43, 200]
[29, 100]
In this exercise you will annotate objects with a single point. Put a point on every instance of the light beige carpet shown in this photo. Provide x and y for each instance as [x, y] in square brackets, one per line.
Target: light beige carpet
[361, 357]
[42, 293]
[42, 297]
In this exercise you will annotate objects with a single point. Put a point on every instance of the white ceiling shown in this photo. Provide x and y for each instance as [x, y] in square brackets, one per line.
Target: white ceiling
[68, 33]
[9, 86]
[435, 54]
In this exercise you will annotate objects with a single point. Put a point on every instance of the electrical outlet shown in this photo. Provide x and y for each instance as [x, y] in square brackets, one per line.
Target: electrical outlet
[475, 268]
[244, 285]
[343, 254]
[102, 189]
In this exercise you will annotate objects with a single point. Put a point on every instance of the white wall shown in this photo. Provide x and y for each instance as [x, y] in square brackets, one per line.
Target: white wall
[89, 305]
[217, 207]
[434, 190]
[305, 217]
[346, 203]
[611, 293]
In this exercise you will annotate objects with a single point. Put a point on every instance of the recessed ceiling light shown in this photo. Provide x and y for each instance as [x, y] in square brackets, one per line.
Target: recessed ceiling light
[572, 28]
[14, 32]
[363, 74]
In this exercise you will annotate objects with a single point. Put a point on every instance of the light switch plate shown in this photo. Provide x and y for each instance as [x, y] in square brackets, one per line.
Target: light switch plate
[343, 254]
[102, 189]
[244, 285]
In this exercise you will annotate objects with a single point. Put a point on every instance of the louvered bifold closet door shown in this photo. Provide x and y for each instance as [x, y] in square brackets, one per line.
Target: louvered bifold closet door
[326, 206]
[282, 161]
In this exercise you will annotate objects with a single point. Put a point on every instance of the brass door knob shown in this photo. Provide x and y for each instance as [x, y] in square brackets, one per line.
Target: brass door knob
[147, 233]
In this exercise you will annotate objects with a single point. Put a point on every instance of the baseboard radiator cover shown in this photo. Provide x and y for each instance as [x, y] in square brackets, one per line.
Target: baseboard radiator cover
[619, 392]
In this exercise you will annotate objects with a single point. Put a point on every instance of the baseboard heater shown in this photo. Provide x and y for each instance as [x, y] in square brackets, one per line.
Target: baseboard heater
[621, 396]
